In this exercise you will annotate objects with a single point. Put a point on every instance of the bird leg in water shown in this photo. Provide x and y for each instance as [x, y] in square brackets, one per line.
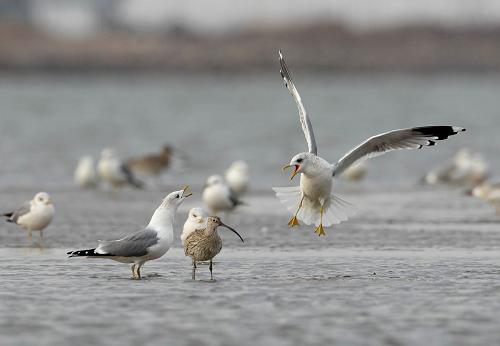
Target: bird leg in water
[194, 270]
[136, 271]
[319, 230]
[293, 221]
[210, 267]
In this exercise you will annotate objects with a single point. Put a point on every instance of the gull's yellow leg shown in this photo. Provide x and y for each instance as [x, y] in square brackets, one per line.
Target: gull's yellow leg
[293, 221]
[320, 230]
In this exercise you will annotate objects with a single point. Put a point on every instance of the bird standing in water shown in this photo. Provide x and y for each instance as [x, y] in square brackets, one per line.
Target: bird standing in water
[148, 244]
[205, 244]
[34, 215]
[313, 201]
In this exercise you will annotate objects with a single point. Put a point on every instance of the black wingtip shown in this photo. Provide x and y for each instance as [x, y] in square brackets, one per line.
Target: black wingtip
[438, 132]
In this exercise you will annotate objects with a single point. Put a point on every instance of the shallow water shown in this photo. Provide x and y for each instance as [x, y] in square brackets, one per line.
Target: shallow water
[417, 265]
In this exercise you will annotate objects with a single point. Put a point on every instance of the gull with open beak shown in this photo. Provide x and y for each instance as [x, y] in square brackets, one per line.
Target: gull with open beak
[205, 244]
[313, 202]
[148, 244]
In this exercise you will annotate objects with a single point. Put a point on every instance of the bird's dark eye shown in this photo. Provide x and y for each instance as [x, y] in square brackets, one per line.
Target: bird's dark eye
[300, 160]
[176, 196]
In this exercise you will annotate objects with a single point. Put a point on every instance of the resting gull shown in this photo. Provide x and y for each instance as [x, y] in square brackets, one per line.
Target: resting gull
[112, 170]
[34, 215]
[218, 197]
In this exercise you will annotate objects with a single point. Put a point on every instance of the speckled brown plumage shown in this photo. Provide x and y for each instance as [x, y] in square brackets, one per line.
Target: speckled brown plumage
[205, 244]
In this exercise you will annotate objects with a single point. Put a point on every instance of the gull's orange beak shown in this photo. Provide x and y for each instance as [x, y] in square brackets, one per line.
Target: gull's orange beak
[185, 191]
[294, 173]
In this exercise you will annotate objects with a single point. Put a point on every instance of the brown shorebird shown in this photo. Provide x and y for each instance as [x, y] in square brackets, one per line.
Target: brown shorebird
[151, 164]
[205, 244]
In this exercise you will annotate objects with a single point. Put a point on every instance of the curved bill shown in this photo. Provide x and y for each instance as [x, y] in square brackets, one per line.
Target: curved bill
[224, 225]
[185, 191]
[294, 173]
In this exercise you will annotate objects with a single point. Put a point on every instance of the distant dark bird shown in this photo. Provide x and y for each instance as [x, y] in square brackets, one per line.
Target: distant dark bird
[205, 244]
[113, 171]
[151, 164]
[34, 215]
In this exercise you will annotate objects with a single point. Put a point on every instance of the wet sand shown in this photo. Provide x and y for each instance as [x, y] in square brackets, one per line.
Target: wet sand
[415, 266]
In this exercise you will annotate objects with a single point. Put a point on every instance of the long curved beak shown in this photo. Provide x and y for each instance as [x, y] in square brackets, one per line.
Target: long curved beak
[185, 191]
[294, 173]
[224, 225]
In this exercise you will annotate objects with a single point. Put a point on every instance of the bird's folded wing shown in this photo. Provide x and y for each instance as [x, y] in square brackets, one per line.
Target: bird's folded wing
[412, 138]
[134, 245]
[23, 209]
[304, 118]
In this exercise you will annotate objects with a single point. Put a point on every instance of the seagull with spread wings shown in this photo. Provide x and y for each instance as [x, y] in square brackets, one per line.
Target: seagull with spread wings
[313, 202]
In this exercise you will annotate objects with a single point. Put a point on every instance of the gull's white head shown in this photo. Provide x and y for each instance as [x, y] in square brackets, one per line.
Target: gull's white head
[42, 198]
[300, 163]
[197, 215]
[240, 166]
[214, 180]
[175, 198]
[108, 153]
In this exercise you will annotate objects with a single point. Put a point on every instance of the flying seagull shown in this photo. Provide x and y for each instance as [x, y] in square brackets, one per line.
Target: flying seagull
[145, 245]
[313, 202]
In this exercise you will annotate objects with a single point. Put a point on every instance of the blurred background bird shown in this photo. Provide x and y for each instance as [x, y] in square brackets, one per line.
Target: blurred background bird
[113, 171]
[33, 215]
[218, 196]
[467, 168]
[85, 174]
[237, 177]
[151, 164]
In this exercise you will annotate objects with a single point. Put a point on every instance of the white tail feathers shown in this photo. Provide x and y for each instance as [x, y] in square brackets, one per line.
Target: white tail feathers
[335, 211]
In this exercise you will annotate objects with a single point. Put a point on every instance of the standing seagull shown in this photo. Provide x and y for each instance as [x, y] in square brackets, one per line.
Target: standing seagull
[197, 219]
[237, 177]
[85, 174]
[112, 170]
[34, 215]
[145, 245]
[313, 202]
[218, 197]
[205, 244]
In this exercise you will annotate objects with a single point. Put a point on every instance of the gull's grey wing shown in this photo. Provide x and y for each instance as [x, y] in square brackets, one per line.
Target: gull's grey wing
[134, 245]
[130, 177]
[412, 138]
[304, 118]
[20, 211]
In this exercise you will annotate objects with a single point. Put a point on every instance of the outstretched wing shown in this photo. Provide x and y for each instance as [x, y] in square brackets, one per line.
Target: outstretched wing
[413, 138]
[304, 119]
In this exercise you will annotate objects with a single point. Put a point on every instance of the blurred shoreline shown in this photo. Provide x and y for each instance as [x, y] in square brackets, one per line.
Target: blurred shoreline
[323, 46]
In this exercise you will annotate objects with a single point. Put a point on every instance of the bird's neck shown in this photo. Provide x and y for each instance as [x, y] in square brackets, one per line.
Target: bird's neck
[163, 220]
[210, 230]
